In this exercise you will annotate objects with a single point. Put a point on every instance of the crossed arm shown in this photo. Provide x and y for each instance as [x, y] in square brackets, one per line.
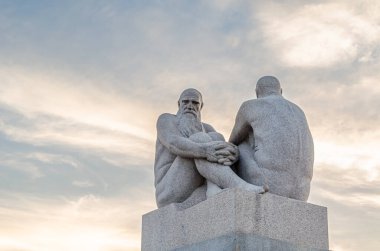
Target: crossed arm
[214, 151]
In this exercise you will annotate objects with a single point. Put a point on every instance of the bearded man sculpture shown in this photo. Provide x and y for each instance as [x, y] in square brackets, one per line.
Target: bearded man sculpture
[192, 160]
[275, 143]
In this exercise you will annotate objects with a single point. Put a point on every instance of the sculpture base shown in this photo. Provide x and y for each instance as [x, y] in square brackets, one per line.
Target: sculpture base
[237, 220]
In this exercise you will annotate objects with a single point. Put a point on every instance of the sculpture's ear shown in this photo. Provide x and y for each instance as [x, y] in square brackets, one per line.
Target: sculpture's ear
[178, 103]
[281, 91]
[201, 105]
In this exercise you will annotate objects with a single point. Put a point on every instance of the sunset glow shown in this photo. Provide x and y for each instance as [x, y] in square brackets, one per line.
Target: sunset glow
[83, 82]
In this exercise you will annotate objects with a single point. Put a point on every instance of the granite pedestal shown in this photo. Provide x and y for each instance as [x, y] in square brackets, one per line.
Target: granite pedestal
[237, 220]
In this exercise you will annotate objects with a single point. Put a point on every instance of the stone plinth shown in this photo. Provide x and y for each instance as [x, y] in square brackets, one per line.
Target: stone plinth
[237, 220]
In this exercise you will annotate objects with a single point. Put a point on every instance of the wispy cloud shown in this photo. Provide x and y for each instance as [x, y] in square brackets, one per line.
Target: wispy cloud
[87, 223]
[83, 84]
[39, 93]
[321, 34]
[83, 183]
[353, 203]
[14, 160]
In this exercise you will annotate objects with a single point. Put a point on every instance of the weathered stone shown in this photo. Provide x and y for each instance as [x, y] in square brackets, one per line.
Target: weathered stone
[237, 220]
[190, 154]
[275, 143]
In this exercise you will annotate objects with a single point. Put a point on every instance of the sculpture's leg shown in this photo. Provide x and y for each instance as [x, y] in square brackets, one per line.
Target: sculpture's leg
[196, 197]
[180, 181]
[212, 189]
[221, 175]
[248, 168]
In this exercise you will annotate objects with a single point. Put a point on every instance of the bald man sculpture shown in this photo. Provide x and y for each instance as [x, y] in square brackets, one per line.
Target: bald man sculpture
[275, 143]
[192, 159]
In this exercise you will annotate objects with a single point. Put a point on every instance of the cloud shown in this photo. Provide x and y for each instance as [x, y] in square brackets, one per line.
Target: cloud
[80, 95]
[83, 183]
[54, 168]
[30, 169]
[353, 204]
[345, 113]
[42, 130]
[322, 34]
[40, 93]
[86, 223]
[346, 156]
[92, 174]
[40, 109]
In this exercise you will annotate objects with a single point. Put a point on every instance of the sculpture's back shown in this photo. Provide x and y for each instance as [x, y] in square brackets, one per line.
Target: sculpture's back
[282, 147]
[275, 143]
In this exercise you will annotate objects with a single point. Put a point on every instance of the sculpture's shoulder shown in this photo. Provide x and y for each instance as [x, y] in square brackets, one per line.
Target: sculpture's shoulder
[266, 102]
[297, 107]
[165, 121]
[249, 105]
[166, 117]
[292, 109]
[253, 103]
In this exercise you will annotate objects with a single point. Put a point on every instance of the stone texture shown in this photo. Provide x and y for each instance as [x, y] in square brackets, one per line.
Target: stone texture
[191, 154]
[237, 219]
[234, 242]
[275, 143]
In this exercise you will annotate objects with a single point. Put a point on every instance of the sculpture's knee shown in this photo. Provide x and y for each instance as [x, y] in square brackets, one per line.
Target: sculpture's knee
[215, 136]
[200, 137]
[248, 168]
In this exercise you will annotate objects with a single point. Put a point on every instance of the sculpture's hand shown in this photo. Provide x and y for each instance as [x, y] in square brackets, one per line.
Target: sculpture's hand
[223, 153]
[229, 155]
[227, 161]
[217, 149]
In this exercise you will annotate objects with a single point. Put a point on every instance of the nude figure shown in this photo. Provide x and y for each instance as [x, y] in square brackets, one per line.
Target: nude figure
[275, 143]
[189, 153]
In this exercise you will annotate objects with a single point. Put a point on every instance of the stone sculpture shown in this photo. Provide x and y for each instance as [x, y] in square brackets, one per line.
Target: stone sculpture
[270, 145]
[275, 143]
[189, 153]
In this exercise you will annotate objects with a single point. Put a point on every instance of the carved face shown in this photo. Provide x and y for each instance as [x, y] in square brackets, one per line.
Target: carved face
[190, 103]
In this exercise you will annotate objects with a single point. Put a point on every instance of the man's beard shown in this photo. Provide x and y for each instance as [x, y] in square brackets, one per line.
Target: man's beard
[189, 124]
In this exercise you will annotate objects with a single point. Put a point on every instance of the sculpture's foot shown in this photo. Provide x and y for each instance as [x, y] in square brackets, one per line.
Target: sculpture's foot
[212, 189]
[253, 188]
[266, 188]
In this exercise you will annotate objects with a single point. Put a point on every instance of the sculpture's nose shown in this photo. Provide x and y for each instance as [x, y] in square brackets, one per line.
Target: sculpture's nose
[190, 106]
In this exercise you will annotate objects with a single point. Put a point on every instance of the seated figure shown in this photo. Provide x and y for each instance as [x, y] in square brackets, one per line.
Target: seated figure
[275, 143]
[192, 160]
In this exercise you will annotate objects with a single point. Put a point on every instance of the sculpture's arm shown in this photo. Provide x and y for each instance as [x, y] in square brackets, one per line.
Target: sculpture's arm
[169, 135]
[242, 126]
[228, 156]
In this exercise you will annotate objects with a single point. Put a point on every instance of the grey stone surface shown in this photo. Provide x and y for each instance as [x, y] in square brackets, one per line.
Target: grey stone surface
[233, 242]
[192, 160]
[272, 219]
[275, 143]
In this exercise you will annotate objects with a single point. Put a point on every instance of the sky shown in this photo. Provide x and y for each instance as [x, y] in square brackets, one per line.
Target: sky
[82, 84]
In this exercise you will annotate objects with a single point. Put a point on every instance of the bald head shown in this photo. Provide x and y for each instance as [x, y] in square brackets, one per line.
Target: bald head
[191, 93]
[190, 102]
[268, 85]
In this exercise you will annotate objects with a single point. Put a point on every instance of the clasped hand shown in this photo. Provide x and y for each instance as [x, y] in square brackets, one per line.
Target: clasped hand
[222, 152]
